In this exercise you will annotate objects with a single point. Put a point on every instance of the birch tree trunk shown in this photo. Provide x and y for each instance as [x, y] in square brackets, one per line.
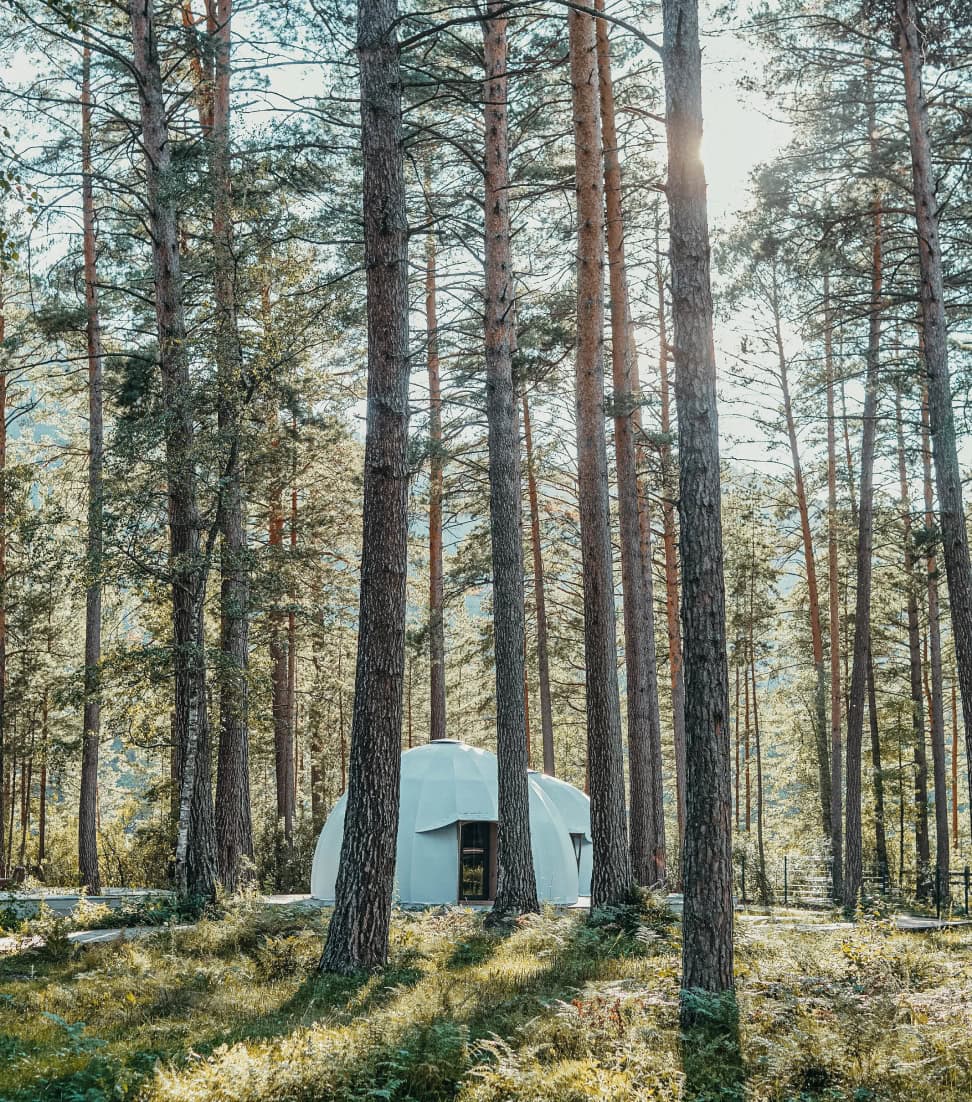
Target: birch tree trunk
[707, 953]
[357, 937]
[91, 722]
[516, 887]
[195, 852]
[612, 878]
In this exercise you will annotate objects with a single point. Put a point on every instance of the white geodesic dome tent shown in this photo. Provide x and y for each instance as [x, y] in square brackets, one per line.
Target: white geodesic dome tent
[447, 831]
[575, 810]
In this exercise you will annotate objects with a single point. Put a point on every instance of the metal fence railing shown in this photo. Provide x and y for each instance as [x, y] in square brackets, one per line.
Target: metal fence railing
[800, 880]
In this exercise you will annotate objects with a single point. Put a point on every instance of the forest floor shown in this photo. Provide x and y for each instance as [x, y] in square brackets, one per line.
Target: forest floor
[564, 1009]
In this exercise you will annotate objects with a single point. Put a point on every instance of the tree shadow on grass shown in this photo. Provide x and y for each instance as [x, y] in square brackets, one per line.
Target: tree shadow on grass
[710, 1048]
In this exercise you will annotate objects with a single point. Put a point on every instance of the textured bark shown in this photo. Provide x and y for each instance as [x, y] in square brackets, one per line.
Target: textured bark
[877, 773]
[738, 759]
[954, 536]
[707, 954]
[922, 873]
[516, 886]
[833, 576]
[283, 745]
[936, 694]
[539, 599]
[853, 857]
[234, 828]
[810, 567]
[747, 756]
[42, 781]
[358, 934]
[3, 583]
[955, 743]
[760, 845]
[91, 721]
[612, 878]
[669, 473]
[646, 801]
[437, 679]
[195, 852]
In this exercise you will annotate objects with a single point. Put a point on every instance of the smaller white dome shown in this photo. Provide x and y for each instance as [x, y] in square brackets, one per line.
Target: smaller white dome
[575, 810]
[444, 784]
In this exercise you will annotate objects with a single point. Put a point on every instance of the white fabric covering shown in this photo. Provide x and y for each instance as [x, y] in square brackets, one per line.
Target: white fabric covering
[444, 783]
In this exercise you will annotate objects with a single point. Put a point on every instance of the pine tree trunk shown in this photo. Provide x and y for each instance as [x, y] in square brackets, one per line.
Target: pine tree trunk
[91, 723]
[810, 566]
[612, 876]
[853, 859]
[516, 887]
[738, 753]
[3, 580]
[922, 854]
[283, 747]
[934, 665]
[707, 954]
[764, 887]
[42, 784]
[294, 716]
[234, 827]
[833, 571]
[877, 773]
[357, 937]
[539, 598]
[955, 756]
[437, 679]
[195, 852]
[646, 800]
[955, 541]
[670, 543]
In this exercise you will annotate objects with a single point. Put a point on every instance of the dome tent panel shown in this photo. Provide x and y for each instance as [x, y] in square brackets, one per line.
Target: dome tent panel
[575, 810]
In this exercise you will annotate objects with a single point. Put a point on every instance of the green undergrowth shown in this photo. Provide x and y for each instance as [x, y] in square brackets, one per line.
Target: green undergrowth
[559, 1008]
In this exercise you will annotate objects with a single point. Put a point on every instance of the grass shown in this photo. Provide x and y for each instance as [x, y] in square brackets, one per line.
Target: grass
[559, 1009]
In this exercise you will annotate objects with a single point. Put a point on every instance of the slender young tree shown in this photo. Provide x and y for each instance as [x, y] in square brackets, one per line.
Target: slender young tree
[612, 878]
[810, 566]
[646, 811]
[922, 849]
[707, 955]
[670, 544]
[539, 597]
[358, 933]
[854, 857]
[516, 887]
[941, 419]
[195, 853]
[937, 703]
[90, 743]
[833, 582]
[437, 679]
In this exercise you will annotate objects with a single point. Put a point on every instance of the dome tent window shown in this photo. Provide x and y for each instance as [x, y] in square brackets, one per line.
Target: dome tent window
[477, 864]
[449, 811]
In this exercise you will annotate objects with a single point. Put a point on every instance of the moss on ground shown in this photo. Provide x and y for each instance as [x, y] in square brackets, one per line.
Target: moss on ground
[558, 1010]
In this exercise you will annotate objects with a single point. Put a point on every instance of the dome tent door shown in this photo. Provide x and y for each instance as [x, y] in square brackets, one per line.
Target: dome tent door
[477, 866]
